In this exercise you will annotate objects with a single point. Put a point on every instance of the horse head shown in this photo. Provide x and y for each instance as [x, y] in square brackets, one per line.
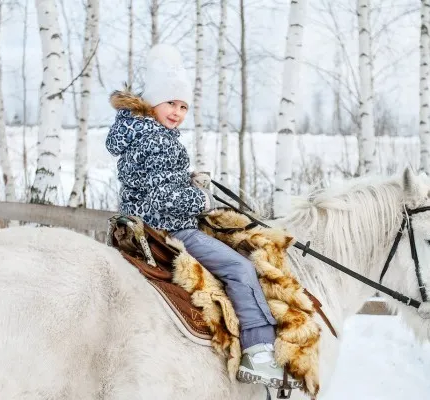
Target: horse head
[409, 270]
[357, 224]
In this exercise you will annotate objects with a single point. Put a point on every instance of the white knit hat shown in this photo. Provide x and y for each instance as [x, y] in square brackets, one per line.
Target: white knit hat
[166, 77]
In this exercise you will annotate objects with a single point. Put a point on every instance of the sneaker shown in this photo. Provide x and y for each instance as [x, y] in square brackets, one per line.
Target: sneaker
[258, 365]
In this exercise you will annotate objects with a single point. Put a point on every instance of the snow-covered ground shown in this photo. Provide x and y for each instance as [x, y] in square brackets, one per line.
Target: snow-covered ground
[380, 360]
[317, 158]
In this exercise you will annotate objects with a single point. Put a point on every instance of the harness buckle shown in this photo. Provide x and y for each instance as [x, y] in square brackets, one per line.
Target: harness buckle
[306, 249]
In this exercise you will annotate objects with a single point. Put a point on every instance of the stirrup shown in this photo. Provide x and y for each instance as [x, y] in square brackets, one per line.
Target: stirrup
[284, 392]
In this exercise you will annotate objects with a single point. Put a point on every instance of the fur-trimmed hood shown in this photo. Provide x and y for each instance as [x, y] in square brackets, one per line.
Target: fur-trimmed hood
[125, 99]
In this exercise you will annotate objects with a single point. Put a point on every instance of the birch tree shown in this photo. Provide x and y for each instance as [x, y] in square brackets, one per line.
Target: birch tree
[45, 186]
[366, 137]
[155, 37]
[8, 179]
[69, 53]
[130, 44]
[244, 101]
[287, 110]
[199, 136]
[24, 99]
[91, 37]
[222, 94]
[424, 87]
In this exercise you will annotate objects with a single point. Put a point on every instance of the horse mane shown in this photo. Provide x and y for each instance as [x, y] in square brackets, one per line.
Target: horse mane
[358, 214]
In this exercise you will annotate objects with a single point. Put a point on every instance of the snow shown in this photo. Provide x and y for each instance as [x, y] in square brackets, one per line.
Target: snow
[318, 158]
[380, 360]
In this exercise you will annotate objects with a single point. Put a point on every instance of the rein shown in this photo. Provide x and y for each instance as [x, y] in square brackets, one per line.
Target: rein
[307, 250]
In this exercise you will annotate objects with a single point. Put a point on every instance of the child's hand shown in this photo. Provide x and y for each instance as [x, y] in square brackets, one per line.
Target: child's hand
[200, 180]
[210, 201]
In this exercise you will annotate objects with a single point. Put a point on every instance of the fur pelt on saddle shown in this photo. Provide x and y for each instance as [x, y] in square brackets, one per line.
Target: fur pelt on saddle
[297, 337]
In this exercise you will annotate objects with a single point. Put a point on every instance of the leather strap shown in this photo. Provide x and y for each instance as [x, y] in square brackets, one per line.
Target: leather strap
[284, 392]
[318, 309]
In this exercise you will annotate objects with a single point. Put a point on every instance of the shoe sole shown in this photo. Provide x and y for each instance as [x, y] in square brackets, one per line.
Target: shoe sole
[248, 377]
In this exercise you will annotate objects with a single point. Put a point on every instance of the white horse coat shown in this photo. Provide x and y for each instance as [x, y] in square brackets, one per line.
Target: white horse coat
[78, 322]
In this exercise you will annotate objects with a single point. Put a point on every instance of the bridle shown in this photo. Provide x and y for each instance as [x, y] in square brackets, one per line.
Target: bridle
[407, 222]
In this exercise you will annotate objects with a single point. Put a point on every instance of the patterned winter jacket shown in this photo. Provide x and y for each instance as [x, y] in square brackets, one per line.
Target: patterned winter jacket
[152, 167]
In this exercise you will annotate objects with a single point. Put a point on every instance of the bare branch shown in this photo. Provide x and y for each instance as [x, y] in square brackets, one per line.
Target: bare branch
[60, 93]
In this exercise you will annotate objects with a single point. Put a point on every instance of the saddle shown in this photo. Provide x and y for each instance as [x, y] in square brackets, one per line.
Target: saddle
[146, 249]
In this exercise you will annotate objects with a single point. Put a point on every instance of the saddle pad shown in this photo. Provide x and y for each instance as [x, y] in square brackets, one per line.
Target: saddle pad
[176, 297]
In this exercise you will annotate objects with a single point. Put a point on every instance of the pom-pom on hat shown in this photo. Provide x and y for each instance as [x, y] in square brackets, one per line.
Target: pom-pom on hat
[166, 76]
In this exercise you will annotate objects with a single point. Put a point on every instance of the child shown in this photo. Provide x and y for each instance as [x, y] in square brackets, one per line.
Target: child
[156, 185]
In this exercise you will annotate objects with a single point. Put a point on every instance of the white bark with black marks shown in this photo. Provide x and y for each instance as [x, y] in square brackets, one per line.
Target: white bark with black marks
[91, 37]
[155, 36]
[70, 57]
[198, 123]
[24, 100]
[130, 44]
[366, 137]
[222, 94]
[424, 87]
[8, 179]
[287, 111]
[45, 186]
[244, 101]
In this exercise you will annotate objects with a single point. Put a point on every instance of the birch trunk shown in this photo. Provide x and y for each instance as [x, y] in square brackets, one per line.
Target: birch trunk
[222, 95]
[24, 101]
[243, 125]
[287, 111]
[337, 115]
[70, 58]
[199, 137]
[366, 138]
[77, 197]
[154, 22]
[8, 179]
[424, 87]
[45, 186]
[130, 44]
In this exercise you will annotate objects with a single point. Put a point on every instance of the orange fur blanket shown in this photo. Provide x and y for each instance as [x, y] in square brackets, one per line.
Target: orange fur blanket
[298, 334]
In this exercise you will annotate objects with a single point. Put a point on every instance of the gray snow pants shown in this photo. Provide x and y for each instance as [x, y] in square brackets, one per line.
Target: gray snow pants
[241, 284]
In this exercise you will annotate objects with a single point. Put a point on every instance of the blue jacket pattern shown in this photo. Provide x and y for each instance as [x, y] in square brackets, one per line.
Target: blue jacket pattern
[153, 170]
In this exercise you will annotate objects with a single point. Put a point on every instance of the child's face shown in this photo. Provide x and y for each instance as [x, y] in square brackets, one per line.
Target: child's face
[171, 113]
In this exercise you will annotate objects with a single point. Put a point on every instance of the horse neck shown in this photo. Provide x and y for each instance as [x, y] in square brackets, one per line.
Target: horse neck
[358, 236]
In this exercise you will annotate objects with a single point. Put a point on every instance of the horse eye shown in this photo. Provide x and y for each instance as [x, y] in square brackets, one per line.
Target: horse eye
[428, 242]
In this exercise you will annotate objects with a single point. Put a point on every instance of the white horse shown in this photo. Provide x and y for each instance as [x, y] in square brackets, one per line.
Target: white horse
[78, 322]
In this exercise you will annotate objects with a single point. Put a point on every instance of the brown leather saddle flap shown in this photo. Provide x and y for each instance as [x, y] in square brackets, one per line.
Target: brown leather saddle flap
[176, 297]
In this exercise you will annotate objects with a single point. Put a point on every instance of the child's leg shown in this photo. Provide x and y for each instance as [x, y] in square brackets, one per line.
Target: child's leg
[241, 284]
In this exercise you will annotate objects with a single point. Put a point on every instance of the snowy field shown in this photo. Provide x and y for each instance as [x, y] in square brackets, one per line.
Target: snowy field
[317, 160]
[379, 359]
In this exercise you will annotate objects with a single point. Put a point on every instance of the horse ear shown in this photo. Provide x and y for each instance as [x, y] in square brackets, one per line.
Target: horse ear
[415, 191]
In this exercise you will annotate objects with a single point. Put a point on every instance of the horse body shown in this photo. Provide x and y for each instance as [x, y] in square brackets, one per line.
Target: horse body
[78, 322]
